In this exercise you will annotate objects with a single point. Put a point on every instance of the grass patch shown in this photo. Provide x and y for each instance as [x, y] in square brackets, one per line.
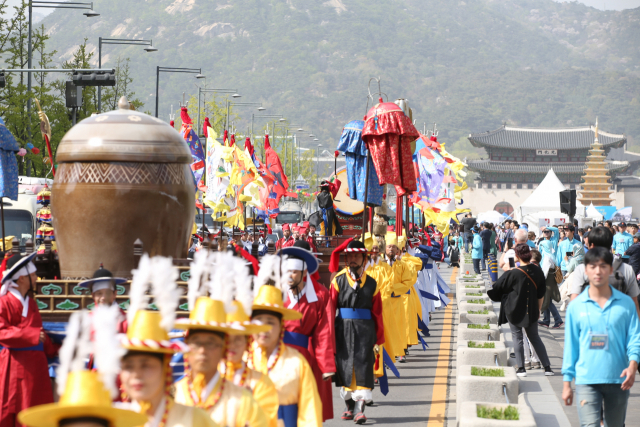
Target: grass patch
[473, 344]
[476, 326]
[472, 286]
[485, 311]
[476, 301]
[508, 413]
[487, 372]
[474, 294]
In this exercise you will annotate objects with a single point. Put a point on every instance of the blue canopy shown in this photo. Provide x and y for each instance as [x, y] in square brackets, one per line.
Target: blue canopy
[8, 163]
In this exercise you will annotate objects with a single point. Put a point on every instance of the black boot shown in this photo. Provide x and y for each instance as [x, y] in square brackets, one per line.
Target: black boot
[348, 411]
[359, 417]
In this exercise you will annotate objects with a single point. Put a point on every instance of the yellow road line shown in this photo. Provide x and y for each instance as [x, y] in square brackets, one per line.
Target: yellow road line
[439, 397]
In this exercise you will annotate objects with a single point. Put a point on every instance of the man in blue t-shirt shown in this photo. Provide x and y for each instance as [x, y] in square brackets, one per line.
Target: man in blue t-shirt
[566, 246]
[601, 346]
[622, 241]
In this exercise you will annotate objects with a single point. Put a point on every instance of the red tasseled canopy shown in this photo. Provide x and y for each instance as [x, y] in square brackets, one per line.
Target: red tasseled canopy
[184, 116]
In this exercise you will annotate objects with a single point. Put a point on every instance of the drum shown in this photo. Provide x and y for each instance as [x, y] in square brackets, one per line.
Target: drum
[342, 203]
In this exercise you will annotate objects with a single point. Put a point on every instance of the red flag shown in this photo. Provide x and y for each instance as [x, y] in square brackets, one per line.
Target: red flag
[280, 183]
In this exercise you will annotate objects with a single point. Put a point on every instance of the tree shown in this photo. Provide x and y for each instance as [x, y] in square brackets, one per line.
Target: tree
[111, 95]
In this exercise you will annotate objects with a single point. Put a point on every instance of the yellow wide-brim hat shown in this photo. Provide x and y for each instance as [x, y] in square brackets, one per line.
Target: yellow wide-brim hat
[368, 241]
[207, 315]
[391, 238]
[84, 396]
[145, 334]
[270, 299]
[240, 321]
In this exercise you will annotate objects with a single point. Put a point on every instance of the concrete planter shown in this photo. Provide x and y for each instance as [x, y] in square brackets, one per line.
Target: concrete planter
[464, 296]
[471, 388]
[469, 416]
[465, 306]
[483, 356]
[482, 319]
[491, 334]
[463, 289]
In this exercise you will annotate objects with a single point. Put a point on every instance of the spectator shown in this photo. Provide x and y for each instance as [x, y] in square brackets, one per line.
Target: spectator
[532, 240]
[602, 346]
[508, 253]
[633, 229]
[521, 291]
[623, 277]
[476, 249]
[564, 247]
[634, 254]
[609, 225]
[468, 222]
[585, 242]
[622, 241]
[485, 235]
[580, 235]
[501, 234]
[562, 236]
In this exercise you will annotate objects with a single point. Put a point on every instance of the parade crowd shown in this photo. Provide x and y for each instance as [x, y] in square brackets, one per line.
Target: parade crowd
[594, 273]
[264, 343]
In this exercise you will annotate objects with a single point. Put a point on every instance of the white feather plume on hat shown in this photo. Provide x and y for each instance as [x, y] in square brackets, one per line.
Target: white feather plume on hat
[272, 272]
[107, 348]
[200, 268]
[222, 284]
[166, 293]
[243, 283]
[138, 298]
[75, 349]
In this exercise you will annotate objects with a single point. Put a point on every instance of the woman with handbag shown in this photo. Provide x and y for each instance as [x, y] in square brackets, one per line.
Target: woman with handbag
[521, 292]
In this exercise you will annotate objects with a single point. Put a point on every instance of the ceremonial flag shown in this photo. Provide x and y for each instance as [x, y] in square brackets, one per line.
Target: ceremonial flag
[280, 185]
[191, 137]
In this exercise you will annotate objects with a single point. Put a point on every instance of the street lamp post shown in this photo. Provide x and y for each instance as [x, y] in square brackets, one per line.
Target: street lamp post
[234, 93]
[264, 116]
[49, 5]
[241, 104]
[318, 164]
[101, 41]
[196, 71]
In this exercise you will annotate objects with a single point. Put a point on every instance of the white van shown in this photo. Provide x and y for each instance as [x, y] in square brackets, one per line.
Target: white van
[20, 216]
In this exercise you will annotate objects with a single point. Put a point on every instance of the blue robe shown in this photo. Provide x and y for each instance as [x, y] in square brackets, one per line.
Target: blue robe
[355, 150]
[8, 163]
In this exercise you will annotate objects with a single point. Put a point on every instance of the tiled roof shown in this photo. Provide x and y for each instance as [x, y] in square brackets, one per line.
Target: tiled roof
[540, 168]
[548, 139]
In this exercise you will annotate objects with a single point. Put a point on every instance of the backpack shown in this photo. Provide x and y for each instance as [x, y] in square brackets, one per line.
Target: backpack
[616, 279]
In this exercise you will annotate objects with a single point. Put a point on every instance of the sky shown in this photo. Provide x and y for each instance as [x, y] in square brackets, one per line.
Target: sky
[598, 4]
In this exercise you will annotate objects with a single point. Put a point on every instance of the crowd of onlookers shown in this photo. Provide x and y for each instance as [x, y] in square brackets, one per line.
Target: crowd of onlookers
[593, 272]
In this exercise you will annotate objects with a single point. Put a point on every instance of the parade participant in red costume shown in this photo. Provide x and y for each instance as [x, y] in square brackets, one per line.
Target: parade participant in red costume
[313, 334]
[359, 328]
[304, 233]
[23, 360]
[287, 240]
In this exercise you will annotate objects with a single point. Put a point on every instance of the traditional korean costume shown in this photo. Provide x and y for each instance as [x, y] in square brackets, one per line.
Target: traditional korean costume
[329, 225]
[23, 359]
[300, 403]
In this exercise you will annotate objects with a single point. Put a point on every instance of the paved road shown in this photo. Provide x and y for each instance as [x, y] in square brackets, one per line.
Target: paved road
[425, 393]
[421, 395]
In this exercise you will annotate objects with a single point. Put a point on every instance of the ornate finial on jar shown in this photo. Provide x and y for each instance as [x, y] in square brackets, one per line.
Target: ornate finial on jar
[123, 104]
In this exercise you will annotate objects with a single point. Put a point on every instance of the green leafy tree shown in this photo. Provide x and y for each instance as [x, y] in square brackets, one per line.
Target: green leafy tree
[112, 94]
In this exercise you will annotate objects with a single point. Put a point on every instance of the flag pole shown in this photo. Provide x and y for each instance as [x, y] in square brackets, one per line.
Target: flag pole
[366, 194]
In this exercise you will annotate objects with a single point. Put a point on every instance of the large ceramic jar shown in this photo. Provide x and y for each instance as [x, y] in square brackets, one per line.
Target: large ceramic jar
[122, 176]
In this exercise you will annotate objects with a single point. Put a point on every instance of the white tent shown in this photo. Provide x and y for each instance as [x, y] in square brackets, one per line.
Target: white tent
[491, 216]
[593, 213]
[544, 198]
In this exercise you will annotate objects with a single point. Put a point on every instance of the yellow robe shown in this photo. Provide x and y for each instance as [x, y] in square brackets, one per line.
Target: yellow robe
[263, 389]
[187, 416]
[294, 381]
[236, 407]
[402, 281]
[381, 272]
[411, 310]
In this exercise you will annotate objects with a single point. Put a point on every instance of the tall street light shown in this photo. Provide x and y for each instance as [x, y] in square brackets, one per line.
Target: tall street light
[101, 41]
[288, 127]
[264, 116]
[241, 104]
[318, 163]
[233, 92]
[88, 6]
[196, 71]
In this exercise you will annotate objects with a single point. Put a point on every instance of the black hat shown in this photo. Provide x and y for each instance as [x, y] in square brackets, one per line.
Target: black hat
[102, 275]
[15, 263]
[302, 250]
[356, 246]
[622, 224]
